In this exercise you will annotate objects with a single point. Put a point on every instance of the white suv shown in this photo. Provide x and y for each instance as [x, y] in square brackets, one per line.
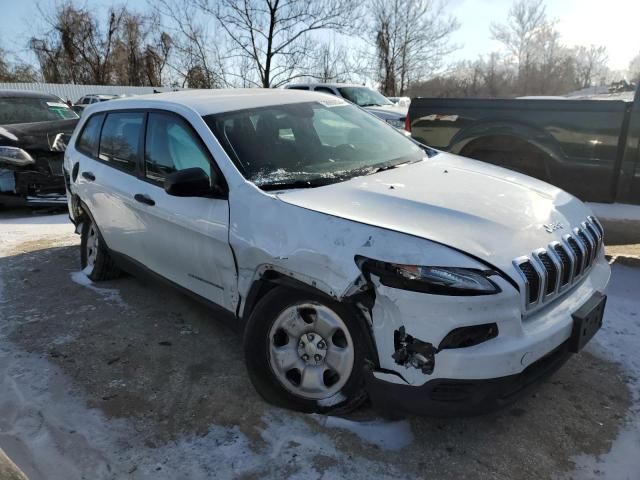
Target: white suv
[358, 262]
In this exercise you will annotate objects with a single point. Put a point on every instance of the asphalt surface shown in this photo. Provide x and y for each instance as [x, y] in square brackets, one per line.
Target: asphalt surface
[150, 361]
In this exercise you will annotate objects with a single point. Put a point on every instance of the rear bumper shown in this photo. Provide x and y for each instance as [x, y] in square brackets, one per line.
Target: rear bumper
[454, 397]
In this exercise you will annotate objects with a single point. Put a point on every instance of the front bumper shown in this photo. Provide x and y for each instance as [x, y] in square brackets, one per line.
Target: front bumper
[454, 397]
[32, 188]
[481, 377]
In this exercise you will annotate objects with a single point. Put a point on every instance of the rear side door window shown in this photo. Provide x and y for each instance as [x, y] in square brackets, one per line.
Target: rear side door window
[120, 142]
[89, 138]
[171, 145]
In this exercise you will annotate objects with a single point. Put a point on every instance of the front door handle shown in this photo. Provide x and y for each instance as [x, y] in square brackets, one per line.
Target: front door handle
[88, 176]
[146, 199]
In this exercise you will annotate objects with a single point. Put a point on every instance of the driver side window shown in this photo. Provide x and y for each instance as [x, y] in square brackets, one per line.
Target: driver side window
[171, 146]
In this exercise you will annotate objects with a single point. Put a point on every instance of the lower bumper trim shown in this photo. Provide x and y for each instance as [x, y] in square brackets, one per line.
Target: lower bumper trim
[453, 397]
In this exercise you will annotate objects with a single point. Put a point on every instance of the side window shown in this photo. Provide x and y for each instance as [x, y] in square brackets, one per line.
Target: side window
[295, 87]
[88, 139]
[325, 90]
[120, 140]
[171, 145]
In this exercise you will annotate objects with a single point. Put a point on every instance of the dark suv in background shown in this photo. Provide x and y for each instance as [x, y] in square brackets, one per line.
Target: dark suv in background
[34, 131]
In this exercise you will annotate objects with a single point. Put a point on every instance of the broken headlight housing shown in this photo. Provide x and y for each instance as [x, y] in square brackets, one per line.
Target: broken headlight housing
[434, 280]
[15, 156]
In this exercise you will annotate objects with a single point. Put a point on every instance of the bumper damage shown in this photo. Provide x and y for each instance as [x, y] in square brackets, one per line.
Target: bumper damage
[443, 355]
[455, 397]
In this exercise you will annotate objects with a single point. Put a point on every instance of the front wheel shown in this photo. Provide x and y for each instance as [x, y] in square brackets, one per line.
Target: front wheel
[95, 260]
[306, 352]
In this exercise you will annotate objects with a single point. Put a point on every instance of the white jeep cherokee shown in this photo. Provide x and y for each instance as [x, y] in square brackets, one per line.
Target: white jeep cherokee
[357, 262]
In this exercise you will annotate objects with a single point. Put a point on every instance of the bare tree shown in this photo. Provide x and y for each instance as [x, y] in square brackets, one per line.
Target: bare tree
[275, 36]
[15, 72]
[76, 49]
[196, 58]
[411, 38]
[82, 47]
[520, 35]
[591, 64]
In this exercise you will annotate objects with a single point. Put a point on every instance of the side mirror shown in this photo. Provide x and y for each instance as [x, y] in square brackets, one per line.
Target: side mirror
[190, 182]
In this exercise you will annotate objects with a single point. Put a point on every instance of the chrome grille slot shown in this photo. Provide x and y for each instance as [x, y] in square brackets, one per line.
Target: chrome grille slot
[532, 279]
[567, 264]
[578, 252]
[595, 234]
[552, 273]
[548, 272]
[586, 241]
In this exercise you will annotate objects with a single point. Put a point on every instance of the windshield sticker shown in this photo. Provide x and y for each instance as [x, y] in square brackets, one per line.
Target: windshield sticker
[57, 105]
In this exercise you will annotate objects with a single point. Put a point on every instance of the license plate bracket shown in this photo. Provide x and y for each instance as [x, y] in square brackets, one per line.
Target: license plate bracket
[587, 320]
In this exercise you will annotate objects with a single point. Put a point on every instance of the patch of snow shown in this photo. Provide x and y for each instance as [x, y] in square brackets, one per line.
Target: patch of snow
[111, 295]
[615, 211]
[619, 340]
[384, 434]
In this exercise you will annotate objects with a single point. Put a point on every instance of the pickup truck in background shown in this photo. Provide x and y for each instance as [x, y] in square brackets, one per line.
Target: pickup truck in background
[588, 147]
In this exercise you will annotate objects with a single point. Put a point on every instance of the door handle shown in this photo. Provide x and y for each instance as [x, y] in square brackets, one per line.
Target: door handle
[88, 176]
[146, 199]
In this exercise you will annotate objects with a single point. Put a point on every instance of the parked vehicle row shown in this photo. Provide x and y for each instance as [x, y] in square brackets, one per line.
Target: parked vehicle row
[367, 98]
[356, 261]
[588, 147]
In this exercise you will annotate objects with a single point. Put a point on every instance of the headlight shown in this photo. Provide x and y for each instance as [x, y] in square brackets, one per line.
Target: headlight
[396, 122]
[434, 280]
[15, 156]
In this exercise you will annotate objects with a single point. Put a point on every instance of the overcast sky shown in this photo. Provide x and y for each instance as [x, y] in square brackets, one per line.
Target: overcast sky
[612, 23]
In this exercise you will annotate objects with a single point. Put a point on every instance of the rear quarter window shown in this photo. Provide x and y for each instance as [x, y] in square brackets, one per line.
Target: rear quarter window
[89, 137]
[120, 140]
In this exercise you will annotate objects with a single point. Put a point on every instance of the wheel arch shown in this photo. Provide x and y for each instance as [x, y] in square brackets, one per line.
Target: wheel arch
[360, 303]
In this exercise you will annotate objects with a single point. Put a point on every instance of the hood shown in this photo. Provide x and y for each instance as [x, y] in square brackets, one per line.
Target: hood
[389, 111]
[489, 212]
[42, 136]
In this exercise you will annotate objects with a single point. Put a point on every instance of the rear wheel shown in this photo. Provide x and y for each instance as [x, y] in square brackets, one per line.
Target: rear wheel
[95, 260]
[306, 352]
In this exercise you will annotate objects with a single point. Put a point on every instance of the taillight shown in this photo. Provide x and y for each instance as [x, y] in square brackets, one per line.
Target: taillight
[407, 123]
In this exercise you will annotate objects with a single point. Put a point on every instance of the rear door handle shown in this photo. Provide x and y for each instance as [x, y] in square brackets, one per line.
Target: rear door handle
[146, 199]
[88, 176]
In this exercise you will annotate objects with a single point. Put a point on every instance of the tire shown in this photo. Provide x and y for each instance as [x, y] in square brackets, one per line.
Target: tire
[95, 260]
[330, 379]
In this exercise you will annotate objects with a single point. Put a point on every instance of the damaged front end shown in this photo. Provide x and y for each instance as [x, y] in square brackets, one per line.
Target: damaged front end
[31, 163]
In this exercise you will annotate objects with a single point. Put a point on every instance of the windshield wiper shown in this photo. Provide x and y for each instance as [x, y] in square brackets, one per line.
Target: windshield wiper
[297, 184]
[389, 167]
[371, 105]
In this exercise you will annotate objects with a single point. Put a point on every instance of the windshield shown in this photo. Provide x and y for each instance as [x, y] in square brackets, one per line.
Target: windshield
[310, 144]
[30, 109]
[364, 97]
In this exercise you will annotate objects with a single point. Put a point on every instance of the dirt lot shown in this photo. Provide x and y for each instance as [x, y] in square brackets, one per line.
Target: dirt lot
[129, 379]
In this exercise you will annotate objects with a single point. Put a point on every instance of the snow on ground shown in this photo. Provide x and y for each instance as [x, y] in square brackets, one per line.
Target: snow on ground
[619, 340]
[47, 429]
[615, 211]
[111, 295]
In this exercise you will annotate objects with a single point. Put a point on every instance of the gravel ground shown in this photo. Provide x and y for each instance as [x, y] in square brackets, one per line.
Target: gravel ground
[129, 379]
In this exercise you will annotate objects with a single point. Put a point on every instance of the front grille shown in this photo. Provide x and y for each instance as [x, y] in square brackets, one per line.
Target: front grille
[549, 271]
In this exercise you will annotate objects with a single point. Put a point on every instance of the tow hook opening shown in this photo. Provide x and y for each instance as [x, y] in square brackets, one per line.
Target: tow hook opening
[411, 352]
